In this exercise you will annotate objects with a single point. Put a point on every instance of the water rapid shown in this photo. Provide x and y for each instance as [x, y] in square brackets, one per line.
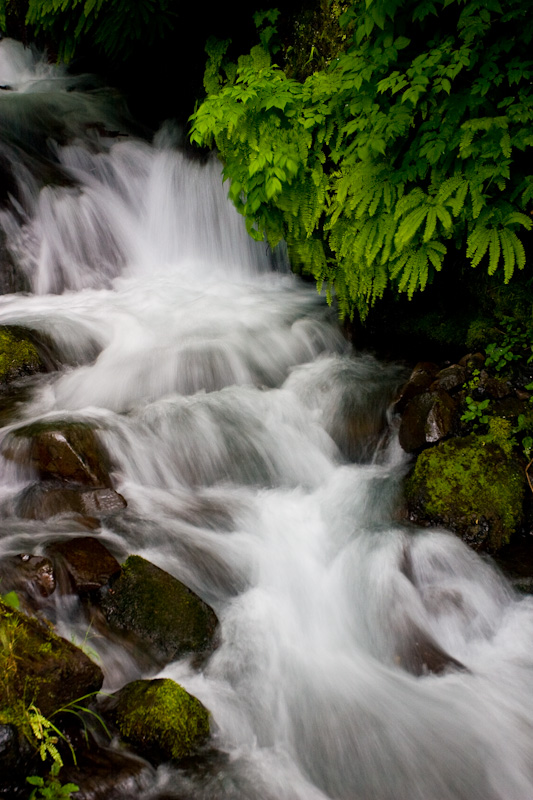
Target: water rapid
[252, 446]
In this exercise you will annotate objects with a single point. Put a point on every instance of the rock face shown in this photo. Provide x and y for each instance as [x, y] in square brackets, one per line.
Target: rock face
[428, 418]
[470, 486]
[89, 564]
[161, 720]
[166, 615]
[45, 500]
[65, 451]
[39, 667]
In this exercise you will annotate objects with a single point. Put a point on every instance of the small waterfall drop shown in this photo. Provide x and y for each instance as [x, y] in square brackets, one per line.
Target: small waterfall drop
[250, 443]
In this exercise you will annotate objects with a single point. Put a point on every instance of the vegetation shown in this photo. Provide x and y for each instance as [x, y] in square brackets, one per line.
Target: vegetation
[406, 148]
[18, 355]
[470, 485]
[112, 26]
[160, 717]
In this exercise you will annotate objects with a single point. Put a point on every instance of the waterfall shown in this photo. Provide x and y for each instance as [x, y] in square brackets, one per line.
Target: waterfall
[259, 466]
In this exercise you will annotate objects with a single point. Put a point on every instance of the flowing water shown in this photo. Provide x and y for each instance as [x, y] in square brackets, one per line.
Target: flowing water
[244, 436]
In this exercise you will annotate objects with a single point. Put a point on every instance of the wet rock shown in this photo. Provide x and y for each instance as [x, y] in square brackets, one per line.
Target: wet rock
[104, 773]
[420, 654]
[15, 753]
[495, 387]
[18, 355]
[164, 613]
[160, 719]
[470, 486]
[88, 562]
[420, 379]
[428, 418]
[450, 378]
[45, 500]
[31, 576]
[11, 278]
[63, 451]
[35, 663]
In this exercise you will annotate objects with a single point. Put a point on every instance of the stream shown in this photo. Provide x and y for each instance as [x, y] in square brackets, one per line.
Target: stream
[260, 466]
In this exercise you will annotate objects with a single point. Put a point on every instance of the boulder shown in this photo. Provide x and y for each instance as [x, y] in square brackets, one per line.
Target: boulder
[428, 418]
[160, 719]
[470, 486]
[164, 613]
[65, 451]
[419, 381]
[45, 500]
[450, 378]
[18, 355]
[88, 562]
[38, 667]
[31, 577]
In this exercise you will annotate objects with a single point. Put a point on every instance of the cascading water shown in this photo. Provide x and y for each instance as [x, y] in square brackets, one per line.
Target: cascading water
[223, 392]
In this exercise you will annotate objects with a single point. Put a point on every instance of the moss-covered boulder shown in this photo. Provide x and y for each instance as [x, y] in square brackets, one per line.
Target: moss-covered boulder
[38, 667]
[160, 719]
[18, 355]
[470, 486]
[161, 611]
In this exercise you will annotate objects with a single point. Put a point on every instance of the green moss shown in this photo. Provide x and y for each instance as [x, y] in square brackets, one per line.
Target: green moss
[470, 485]
[18, 356]
[160, 717]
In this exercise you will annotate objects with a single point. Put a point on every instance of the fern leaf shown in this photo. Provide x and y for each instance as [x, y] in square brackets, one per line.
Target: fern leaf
[494, 251]
[508, 253]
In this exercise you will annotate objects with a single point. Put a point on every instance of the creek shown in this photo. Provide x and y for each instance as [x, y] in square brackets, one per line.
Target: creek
[253, 448]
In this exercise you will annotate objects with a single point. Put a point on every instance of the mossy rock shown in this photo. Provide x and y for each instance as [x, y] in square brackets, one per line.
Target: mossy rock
[161, 720]
[470, 486]
[38, 667]
[164, 613]
[18, 355]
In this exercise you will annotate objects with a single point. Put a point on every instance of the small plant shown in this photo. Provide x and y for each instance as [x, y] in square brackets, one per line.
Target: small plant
[515, 345]
[476, 412]
[51, 788]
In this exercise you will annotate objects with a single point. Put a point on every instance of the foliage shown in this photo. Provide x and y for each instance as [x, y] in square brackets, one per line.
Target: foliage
[51, 788]
[113, 26]
[411, 143]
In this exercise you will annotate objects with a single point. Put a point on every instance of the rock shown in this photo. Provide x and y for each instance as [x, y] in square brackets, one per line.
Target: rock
[160, 719]
[428, 418]
[450, 378]
[39, 667]
[29, 575]
[104, 773]
[45, 500]
[472, 361]
[15, 753]
[420, 654]
[18, 355]
[66, 451]
[495, 387]
[420, 379]
[160, 610]
[470, 486]
[89, 564]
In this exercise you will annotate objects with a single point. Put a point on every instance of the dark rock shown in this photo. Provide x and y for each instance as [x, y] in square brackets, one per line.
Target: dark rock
[11, 278]
[470, 486]
[89, 564]
[420, 379]
[29, 575]
[428, 418]
[472, 361]
[15, 753]
[40, 667]
[450, 378]
[45, 500]
[66, 451]
[163, 612]
[104, 773]
[495, 387]
[160, 719]
[420, 654]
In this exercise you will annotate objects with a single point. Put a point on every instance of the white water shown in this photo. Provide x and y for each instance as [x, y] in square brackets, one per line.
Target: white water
[217, 385]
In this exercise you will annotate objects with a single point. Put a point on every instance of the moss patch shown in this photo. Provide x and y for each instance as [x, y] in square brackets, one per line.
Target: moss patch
[18, 356]
[161, 719]
[471, 486]
[162, 611]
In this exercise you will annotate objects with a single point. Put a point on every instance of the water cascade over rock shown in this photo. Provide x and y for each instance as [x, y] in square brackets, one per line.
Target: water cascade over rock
[357, 658]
